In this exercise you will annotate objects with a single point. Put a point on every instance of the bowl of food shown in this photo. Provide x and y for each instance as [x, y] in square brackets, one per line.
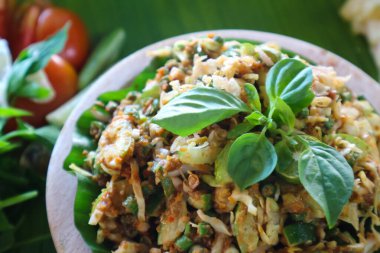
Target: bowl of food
[221, 141]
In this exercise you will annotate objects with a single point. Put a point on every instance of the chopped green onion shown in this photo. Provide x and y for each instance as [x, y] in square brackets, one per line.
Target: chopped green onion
[18, 199]
[183, 243]
[130, 204]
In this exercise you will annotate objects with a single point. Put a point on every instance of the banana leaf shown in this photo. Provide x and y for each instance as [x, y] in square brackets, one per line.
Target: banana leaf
[147, 21]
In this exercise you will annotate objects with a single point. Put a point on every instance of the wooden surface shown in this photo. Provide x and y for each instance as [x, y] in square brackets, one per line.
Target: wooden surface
[61, 186]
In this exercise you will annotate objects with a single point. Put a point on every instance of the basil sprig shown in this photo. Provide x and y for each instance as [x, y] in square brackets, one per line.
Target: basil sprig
[198, 108]
[322, 170]
[32, 59]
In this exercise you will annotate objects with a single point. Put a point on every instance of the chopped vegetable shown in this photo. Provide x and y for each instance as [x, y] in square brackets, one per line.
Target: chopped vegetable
[299, 233]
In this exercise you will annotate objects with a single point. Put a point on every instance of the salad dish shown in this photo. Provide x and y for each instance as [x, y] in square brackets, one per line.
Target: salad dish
[225, 145]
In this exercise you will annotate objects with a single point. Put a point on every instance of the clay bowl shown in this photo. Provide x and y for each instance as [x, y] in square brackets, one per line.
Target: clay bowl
[61, 186]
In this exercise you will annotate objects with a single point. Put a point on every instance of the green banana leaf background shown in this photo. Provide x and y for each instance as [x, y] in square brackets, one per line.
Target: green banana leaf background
[148, 21]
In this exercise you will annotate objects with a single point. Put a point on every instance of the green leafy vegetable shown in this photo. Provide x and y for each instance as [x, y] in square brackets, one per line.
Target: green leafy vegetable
[327, 177]
[198, 108]
[256, 118]
[10, 112]
[282, 113]
[252, 96]
[251, 159]
[287, 165]
[87, 192]
[34, 90]
[299, 233]
[290, 80]
[31, 60]
[240, 129]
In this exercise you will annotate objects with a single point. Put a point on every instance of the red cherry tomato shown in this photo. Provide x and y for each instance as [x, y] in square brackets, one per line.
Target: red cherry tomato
[64, 79]
[51, 20]
[25, 30]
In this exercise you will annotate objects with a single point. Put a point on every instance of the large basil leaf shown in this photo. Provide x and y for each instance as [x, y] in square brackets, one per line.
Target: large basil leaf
[327, 177]
[290, 80]
[198, 108]
[251, 159]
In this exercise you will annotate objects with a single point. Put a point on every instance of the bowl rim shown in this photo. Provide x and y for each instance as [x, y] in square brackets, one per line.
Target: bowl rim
[61, 186]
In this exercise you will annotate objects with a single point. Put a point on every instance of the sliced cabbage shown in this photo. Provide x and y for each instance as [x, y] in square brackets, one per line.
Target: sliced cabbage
[215, 223]
[270, 236]
[136, 186]
[244, 197]
[245, 230]
[350, 215]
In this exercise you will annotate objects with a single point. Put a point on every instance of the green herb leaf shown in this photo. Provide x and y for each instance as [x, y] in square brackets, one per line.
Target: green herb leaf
[198, 108]
[251, 159]
[283, 113]
[240, 129]
[34, 90]
[252, 96]
[33, 59]
[287, 165]
[10, 112]
[327, 177]
[290, 80]
[257, 118]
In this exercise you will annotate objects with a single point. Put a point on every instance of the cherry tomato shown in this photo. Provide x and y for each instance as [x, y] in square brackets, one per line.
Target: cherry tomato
[64, 79]
[51, 20]
[3, 18]
[25, 29]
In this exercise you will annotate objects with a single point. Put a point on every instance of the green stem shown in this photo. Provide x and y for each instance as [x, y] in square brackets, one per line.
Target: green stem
[18, 199]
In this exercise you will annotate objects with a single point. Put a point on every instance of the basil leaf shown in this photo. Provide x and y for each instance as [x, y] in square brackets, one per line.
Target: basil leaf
[327, 177]
[35, 58]
[290, 80]
[283, 113]
[252, 96]
[9, 112]
[33, 90]
[287, 165]
[257, 118]
[251, 159]
[240, 129]
[198, 108]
